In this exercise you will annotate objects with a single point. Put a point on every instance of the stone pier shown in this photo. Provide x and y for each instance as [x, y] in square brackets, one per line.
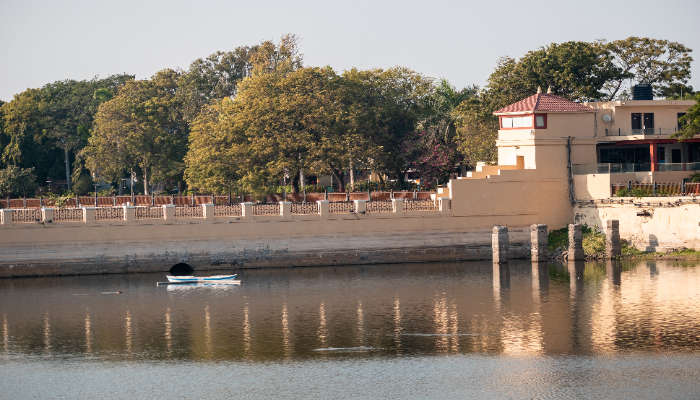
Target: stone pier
[538, 242]
[613, 247]
[499, 244]
[576, 243]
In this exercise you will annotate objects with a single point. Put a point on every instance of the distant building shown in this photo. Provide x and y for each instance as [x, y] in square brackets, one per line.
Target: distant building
[552, 151]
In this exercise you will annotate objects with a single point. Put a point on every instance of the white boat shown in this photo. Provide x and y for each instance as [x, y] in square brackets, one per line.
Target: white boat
[212, 279]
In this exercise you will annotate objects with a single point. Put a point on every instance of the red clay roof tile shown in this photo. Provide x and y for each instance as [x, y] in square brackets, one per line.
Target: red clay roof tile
[544, 102]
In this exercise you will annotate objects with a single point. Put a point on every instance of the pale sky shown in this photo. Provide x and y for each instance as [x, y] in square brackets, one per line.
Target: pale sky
[45, 41]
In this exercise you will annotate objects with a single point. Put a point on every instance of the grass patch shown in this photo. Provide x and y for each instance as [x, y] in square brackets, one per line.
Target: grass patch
[593, 240]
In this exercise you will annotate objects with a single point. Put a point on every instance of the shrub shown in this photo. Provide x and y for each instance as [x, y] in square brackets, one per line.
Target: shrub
[17, 182]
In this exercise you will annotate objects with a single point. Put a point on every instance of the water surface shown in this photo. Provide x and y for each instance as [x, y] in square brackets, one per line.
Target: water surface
[451, 330]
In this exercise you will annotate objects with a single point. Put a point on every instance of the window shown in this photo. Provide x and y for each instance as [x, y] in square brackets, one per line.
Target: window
[519, 122]
[649, 123]
[661, 154]
[636, 121]
[643, 123]
[541, 121]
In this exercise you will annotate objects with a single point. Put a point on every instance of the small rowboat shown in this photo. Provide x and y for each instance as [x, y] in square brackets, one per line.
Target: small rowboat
[213, 279]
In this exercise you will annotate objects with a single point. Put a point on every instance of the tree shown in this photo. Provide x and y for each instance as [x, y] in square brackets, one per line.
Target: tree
[278, 125]
[217, 76]
[216, 156]
[387, 106]
[16, 181]
[661, 63]
[575, 70]
[46, 127]
[690, 122]
[477, 130]
[141, 126]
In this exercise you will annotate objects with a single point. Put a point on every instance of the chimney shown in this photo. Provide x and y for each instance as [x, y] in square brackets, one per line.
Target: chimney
[549, 90]
[539, 89]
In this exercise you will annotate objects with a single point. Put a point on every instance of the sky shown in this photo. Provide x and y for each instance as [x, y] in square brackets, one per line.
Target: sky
[46, 41]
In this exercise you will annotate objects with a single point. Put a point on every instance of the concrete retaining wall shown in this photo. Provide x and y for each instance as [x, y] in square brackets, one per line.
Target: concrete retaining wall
[651, 224]
[225, 243]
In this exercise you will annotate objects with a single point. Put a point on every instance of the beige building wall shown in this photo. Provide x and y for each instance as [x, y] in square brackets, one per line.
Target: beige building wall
[592, 186]
[665, 114]
[663, 226]
[515, 197]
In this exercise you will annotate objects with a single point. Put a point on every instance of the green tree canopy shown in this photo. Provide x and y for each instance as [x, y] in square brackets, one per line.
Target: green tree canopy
[690, 122]
[143, 128]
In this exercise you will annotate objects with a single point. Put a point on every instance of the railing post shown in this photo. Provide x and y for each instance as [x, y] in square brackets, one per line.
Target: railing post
[397, 206]
[208, 211]
[360, 206]
[285, 209]
[653, 190]
[6, 216]
[153, 199]
[168, 212]
[129, 213]
[683, 186]
[89, 215]
[47, 215]
[247, 210]
[444, 205]
[323, 208]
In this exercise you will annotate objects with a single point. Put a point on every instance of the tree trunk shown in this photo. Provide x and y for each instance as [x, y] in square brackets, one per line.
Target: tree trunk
[145, 181]
[352, 177]
[339, 177]
[67, 162]
[301, 179]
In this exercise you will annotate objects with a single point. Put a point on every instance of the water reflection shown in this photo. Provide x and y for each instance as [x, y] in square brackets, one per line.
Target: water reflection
[517, 308]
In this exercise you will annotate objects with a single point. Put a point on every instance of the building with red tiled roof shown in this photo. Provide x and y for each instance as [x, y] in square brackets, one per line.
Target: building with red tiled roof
[543, 102]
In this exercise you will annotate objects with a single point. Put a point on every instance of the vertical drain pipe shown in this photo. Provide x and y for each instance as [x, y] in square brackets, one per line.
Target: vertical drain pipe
[571, 172]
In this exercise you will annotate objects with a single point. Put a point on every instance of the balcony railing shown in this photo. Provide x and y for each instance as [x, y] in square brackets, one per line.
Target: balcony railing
[645, 131]
[613, 168]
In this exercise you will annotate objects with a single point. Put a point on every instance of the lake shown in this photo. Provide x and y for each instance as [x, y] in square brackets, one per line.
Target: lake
[404, 331]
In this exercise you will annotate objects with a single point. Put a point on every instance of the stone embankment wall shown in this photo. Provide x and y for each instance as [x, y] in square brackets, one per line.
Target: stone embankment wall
[648, 223]
[246, 241]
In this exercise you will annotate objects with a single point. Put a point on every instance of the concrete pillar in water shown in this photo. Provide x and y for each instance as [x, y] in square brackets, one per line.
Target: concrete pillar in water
[6, 216]
[89, 215]
[208, 211]
[47, 215]
[323, 208]
[285, 209]
[499, 244]
[168, 212]
[360, 206]
[576, 243]
[613, 248]
[538, 242]
[397, 206]
[247, 210]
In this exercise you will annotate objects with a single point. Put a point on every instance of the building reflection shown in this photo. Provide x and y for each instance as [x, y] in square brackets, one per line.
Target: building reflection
[127, 333]
[397, 325]
[5, 334]
[516, 308]
[88, 333]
